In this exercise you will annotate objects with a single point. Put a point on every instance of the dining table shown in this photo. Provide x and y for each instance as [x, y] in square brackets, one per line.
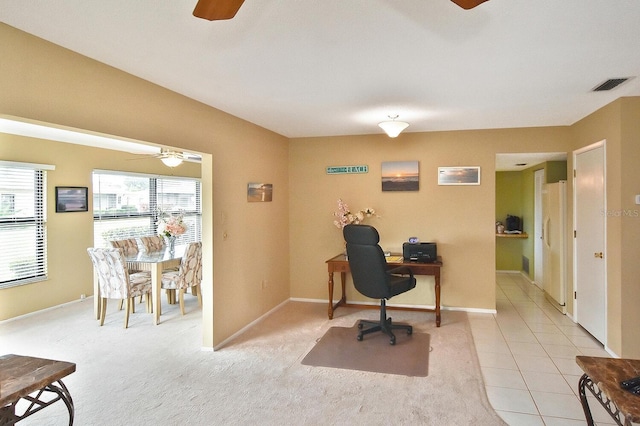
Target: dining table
[155, 262]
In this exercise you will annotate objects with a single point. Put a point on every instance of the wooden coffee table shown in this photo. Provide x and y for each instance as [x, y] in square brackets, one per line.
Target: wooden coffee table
[22, 376]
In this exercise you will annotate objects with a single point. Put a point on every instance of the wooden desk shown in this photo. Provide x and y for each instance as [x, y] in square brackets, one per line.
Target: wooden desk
[602, 377]
[340, 264]
[21, 376]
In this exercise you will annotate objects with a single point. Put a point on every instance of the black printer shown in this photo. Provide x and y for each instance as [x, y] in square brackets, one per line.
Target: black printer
[420, 252]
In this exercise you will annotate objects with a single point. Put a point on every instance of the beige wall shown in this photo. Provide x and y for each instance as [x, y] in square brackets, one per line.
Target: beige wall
[68, 234]
[617, 123]
[44, 82]
[459, 218]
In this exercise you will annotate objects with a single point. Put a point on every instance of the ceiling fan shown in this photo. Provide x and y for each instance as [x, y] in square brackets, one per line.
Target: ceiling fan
[172, 158]
[218, 10]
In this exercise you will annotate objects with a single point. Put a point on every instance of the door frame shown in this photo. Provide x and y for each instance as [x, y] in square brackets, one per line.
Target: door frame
[600, 144]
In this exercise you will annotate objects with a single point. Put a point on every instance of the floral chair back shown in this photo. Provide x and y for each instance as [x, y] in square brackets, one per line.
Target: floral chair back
[153, 243]
[188, 275]
[190, 272]
[115, 281]
[129, 246]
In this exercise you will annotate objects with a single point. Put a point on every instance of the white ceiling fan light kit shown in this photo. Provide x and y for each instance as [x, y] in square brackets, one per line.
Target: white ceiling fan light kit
[171, 158]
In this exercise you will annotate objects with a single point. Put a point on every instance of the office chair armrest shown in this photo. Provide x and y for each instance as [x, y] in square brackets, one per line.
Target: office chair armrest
[401, 270]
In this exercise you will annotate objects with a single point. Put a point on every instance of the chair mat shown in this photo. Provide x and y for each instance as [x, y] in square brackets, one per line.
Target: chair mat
[339, 348]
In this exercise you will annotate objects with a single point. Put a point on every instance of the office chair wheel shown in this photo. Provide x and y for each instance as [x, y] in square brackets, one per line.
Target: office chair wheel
[359, 337]
[392, 341]
[360, 327]
[409, 331]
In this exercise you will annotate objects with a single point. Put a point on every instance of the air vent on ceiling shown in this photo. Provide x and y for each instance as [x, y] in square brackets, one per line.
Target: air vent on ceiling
[612, 83]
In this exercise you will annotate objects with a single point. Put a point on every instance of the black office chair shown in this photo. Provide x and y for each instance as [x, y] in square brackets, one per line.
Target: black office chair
[372, 277]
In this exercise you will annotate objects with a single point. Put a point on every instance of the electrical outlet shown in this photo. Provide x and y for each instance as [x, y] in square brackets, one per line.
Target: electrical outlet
[83, 296]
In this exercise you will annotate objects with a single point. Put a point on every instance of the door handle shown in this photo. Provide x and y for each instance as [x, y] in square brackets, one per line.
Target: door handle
[598, 255]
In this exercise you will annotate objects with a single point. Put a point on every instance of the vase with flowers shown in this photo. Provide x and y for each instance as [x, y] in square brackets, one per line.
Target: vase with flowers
[171, 227]
[343, 217]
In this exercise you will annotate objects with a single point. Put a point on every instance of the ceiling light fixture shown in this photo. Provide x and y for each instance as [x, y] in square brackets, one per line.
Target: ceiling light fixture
[393, 127]
[171, 159]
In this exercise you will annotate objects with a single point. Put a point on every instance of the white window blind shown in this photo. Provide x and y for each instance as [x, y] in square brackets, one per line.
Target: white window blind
[23, 231]
[128, 205]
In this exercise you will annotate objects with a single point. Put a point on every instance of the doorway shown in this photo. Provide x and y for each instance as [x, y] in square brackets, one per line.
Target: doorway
[589, 200]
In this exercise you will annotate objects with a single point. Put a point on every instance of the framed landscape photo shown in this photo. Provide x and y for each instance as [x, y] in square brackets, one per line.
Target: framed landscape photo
[459, 175]
[259, 192]
[400, 176]
[72, 199]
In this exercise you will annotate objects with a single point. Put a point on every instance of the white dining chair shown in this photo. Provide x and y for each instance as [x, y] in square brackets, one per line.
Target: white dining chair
[188, 275]
[115, 281]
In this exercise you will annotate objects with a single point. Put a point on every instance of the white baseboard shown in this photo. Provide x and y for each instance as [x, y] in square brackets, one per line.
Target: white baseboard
[245, 328]
[442, 308]
[29, 314]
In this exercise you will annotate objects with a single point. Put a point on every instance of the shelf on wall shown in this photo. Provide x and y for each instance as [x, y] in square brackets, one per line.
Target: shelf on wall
[523, 235]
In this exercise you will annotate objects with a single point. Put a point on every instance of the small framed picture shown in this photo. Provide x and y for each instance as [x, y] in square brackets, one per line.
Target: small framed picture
[259, 192]
[459, 175]
[72, 199]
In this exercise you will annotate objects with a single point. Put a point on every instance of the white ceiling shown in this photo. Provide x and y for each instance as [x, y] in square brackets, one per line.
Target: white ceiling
[338, 67]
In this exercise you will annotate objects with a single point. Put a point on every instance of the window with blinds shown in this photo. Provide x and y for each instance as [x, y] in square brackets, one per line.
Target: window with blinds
[23, 224]
[128, 205]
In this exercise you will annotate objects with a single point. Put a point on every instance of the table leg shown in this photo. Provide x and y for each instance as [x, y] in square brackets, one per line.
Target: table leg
[156, 277]
[9, 416]
[96, 297]
[437, 290]
[582, 383]
[330, 295]
[343, 279]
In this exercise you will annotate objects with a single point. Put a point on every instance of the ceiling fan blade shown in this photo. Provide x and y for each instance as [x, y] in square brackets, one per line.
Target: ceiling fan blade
[217, 10]
[468, 4]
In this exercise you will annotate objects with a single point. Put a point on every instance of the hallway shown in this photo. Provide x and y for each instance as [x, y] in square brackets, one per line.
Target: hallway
[527, 354]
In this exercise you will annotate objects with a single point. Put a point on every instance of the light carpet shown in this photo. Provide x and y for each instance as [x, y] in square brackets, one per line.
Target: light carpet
[159, 375]
[339, 348]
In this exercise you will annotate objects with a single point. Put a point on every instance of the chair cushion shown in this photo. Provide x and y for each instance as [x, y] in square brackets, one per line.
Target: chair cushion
[170, 280]
[398, 284]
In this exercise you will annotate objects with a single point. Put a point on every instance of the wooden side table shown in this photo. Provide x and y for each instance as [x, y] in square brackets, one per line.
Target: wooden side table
[602, 376]
[21, 376]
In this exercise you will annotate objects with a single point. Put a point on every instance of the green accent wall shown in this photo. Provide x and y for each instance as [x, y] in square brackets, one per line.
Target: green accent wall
[515, 195]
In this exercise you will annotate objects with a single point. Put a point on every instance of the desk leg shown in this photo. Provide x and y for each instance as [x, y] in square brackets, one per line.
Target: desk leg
[437, 290]
[156, 276]
[330, 295]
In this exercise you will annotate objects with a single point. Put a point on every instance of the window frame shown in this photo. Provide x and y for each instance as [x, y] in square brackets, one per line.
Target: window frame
[39, 271]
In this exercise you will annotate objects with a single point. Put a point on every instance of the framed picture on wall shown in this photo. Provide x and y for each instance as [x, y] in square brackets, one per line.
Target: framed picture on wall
[72, 199]
[259, 192]
[400, 176]
[459, 175]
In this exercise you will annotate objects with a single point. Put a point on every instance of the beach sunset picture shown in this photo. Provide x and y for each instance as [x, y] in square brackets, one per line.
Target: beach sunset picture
[259, 192]
[400, 176]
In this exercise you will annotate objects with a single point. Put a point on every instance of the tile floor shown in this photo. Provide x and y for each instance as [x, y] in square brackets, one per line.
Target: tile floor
[527, 355]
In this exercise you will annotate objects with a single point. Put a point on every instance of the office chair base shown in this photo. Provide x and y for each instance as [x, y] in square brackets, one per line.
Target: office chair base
[385, 325]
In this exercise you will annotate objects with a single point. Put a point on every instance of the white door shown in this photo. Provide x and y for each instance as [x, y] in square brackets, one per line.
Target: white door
[538, 271]
[589, 241]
